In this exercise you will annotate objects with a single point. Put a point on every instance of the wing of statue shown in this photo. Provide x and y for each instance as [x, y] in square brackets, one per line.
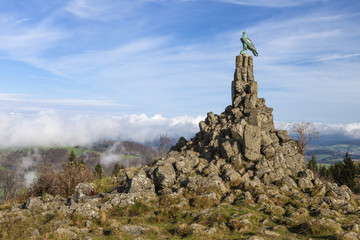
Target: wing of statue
[251, 46]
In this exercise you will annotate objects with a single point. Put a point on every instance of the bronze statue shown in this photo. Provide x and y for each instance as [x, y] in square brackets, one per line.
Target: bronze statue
[247, 44]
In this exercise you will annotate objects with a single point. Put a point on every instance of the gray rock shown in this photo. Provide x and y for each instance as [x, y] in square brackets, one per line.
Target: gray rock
[271, 233]
[254, 183]
[86, 210]
[305, 184]
[134, 230]
[288, 181]
[87, 224]
[283, 135]
[139, 183]
[32, 203]
[35, 233]
[231, 176]
[237, 131]
[252, 142]
[82, 190]
[164, 176]
[227, 150]
[350, 236]
[65, 233]
[210, 168]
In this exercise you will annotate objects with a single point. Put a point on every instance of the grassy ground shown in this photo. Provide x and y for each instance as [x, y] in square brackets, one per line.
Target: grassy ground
[159, 223]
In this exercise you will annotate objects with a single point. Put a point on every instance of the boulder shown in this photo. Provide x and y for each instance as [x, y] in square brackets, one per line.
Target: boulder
[164, 176]
[32, 203]
[252, 142]
[83, 190]
[140, 183]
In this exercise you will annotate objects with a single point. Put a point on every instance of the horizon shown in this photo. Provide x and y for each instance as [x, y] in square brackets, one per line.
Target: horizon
[80, 71]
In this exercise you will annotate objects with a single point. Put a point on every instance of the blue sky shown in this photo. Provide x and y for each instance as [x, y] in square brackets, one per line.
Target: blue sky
[168, 63]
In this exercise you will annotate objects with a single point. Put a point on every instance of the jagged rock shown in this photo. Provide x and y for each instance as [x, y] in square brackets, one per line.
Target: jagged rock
[133, 229]
[164, 176]
[305, 184]
[212, 182]
[300, 213]
[231, 176]
[236, 157]
[35, 233]
[244, 198]
[271, 233]
[210, 168]
[32, 203]
[179, 145]
[227, 150]
[283, 135]
[86, 210]
[350, 236]
[139, 183]
[322, 225]
[126, 199]
[288, 181]
[254, 183]
[252, 142]
[66, 233]
[82, 190]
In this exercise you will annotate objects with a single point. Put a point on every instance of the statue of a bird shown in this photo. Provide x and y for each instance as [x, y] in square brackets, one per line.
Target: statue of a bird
[247, 44]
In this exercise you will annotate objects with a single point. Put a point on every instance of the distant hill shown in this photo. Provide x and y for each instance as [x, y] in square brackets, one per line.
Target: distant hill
[25, 160]
[329, 149]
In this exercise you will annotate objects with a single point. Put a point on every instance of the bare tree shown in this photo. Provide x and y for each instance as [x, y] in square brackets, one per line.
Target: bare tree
[305, 133]
[164, 142]
[149, 155]
[10, 179]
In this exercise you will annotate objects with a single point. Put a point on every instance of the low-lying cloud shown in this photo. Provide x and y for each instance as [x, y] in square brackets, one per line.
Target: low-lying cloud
[351, 130]
[50, 128]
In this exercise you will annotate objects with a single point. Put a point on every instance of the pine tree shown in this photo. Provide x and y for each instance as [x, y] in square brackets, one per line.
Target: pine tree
[98, 170]
[116, 170]
[349, 171]
[312, 165]
[72, 157]
[344, 173]
[324, 172]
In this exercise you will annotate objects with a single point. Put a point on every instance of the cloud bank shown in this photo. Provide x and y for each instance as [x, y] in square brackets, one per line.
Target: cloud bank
[351, 130]
[50, 128]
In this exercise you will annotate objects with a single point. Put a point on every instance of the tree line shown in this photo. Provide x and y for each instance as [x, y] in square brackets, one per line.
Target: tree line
[346, 172]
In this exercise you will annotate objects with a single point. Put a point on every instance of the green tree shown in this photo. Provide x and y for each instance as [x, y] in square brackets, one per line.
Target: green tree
[72, 157]
[324, 172]
[116, 169]
[98, 172]
[350, 171]
[312, 165]
[345, 173]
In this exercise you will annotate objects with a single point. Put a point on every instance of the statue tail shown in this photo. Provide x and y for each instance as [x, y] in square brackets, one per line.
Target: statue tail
[255, 52]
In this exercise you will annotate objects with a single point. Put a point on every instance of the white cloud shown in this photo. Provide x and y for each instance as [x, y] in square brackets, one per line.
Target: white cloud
[351, 130]
[271, 3]
[104, 9]
[26, 43]
[55, 129]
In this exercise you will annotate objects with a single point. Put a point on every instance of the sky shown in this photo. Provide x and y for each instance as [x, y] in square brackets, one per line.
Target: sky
[78, 71]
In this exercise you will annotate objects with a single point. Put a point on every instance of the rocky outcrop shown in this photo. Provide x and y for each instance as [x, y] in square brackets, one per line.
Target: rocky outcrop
[237, 158]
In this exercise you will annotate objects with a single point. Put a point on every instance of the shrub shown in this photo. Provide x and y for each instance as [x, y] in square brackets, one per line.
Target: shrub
[60, 182]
